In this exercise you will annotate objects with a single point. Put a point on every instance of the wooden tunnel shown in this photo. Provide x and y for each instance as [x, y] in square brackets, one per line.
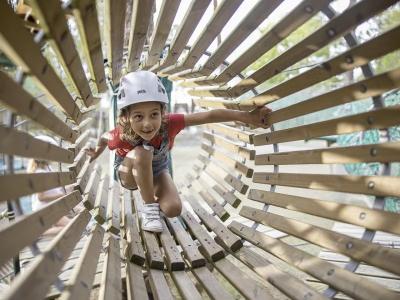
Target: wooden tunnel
[275, 213]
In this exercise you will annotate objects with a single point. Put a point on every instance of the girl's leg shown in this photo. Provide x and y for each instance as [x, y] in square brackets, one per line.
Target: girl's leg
[139, 172]
[167, 194]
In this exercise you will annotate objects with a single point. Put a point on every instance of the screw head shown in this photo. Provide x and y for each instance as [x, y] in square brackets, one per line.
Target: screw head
[362, 215]
[373, 151]
[371, 185]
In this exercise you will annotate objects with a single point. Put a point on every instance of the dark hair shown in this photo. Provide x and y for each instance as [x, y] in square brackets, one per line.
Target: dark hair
[127, 134]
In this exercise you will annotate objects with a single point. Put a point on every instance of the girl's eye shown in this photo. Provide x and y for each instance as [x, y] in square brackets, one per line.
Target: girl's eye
[155, 114]
[137, 117]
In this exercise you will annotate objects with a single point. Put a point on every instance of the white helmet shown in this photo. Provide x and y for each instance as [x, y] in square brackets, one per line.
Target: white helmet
[140, 86]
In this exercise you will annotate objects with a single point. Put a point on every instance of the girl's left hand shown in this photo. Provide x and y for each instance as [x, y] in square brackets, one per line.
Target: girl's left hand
[258, 117]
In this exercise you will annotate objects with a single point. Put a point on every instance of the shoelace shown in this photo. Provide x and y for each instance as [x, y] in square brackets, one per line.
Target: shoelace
[152, 213]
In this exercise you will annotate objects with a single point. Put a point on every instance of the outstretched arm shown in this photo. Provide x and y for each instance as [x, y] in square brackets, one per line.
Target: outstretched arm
[257, 117]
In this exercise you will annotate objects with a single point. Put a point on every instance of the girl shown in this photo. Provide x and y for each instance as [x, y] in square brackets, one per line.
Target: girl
[144, 136]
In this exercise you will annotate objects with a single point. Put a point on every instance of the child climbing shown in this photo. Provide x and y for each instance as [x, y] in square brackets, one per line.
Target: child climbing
[144, 136]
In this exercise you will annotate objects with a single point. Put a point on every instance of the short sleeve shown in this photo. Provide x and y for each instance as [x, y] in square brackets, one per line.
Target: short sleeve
[113, 139]
[176, 122]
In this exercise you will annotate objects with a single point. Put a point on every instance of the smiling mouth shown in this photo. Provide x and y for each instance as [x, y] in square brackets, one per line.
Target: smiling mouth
[147, 132]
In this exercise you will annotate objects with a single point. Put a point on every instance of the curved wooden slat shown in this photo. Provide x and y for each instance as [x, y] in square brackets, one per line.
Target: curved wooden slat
[173, 257]
[185, 285]
[113, 209]
[190, 21]
[360, 250]
[361, 216]
[111, 283]
[166, 16]
[36, 280]
[85, 13]
[81, 280]
[222, 14]
[260, 11]
[25, 230]
[340, 279]
[15, 142]
[115, 23]
[370, 87]
[100, 205]
[384, 152]
[211, 285]
[53, 20]
[18, 44]
[21, 102]
[376, 119]
[141, 15]
[18, 185]
[297, 17]
[369, 185]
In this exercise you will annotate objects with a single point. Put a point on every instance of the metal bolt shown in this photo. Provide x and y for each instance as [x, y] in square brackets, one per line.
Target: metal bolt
[267, 177]
[370, 120]
[371, 185]
[331, 32]
[349, 59]
[373, 151]
[363, 88]
[330, 272]
[309, 9]
[266, 138]
[349, 245]
[362, 215]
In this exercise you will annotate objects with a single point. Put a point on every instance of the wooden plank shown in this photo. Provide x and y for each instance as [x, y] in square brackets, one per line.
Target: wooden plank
[172, 255]
[135, 285]
[16, 142]
[347, 61]
[159, 285]
[86, 17]
[230, 145]
[233, 133]
[163, 26]
[357, 249]
[234, 182]
[365, 217]
[185, 285]
[370, 87]
[18, 185]
[115, 22]
[113, 208]
[111, 284]
[221, 15]
[26, 229]
[80, 283]
[101, 202]
[190, 251]
[83, 177]
[191, 19]
[227, 195]
[211, 285]
[260, 11]
[79, 162]
[336, 27]
[293, 20]
[91, 190]
[376, 119]
[227, 160]
[216, 207]
[19, 46]
[288, 284]
[338, 278]
[153, 253]
[86, 124]
[80, 143]
[37, 278]
[141, 16]
[369, 185]
[247, 286]
[384, 152]
[21, 102]
[209, 248]
[135, 252]
[53, 21]
[231, 241]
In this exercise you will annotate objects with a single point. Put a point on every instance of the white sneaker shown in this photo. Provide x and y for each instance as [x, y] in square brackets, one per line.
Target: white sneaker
[151, 218]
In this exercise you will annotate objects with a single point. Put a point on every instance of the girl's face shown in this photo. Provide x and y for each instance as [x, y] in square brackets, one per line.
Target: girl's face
[145, 119]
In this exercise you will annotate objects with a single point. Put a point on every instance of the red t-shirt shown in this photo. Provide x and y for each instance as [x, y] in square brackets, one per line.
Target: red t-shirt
[176, 123]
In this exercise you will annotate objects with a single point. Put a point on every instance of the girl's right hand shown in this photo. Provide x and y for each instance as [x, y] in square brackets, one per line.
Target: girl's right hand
[92, 153]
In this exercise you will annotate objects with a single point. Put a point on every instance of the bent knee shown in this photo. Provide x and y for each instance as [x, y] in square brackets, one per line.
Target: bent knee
[173, 210]
[140, 155]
